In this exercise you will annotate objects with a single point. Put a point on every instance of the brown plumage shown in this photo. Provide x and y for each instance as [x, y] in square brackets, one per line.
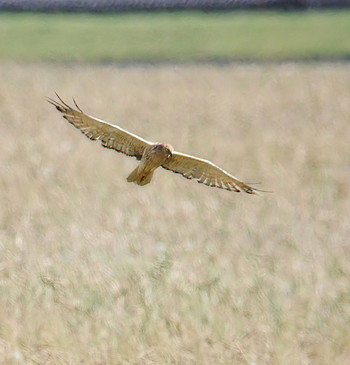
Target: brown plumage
[151, 155]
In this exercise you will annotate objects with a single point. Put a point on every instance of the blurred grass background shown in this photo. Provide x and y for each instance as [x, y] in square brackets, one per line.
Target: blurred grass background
[99, 271]
[182, 36]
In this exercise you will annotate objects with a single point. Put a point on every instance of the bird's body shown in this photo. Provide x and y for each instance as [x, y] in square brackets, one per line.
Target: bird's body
[151, 155]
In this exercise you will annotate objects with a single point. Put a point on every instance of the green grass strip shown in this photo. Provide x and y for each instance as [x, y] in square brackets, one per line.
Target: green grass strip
[179, 36]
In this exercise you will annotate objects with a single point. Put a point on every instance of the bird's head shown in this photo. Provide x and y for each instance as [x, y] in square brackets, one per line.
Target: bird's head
[169, 150]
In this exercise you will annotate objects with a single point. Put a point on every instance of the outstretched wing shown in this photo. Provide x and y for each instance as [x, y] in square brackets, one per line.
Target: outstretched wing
[205, 172]
[110, 135]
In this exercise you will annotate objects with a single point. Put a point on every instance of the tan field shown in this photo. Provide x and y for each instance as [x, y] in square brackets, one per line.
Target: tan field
[94, 270]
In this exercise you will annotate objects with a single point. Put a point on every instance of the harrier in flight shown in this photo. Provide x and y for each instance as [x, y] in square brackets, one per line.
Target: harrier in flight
[151, 155]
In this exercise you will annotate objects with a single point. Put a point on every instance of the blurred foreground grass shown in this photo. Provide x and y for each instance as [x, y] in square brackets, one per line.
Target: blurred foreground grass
[185, 36]
[94, 270]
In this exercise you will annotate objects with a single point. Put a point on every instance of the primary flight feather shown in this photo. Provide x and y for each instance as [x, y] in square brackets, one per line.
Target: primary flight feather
[151, 155]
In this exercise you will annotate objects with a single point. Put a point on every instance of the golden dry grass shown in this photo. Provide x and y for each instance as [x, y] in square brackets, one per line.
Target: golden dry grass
[94, 270]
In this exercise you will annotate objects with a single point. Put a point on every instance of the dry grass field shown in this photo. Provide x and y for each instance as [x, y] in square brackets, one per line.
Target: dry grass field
[94, 270]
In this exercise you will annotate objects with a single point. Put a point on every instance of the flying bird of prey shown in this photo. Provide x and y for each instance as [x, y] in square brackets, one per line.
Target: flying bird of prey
[151, 155]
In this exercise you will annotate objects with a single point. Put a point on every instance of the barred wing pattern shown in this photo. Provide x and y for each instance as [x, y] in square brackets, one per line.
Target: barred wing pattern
[205, 172]
[110, 135]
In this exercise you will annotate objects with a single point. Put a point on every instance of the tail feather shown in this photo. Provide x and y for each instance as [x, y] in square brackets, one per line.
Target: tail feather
[140, 179]
[143, 180]
[133, 176]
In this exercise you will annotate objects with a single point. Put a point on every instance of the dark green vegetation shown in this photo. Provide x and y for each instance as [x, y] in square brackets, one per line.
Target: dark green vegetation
[186, 36]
